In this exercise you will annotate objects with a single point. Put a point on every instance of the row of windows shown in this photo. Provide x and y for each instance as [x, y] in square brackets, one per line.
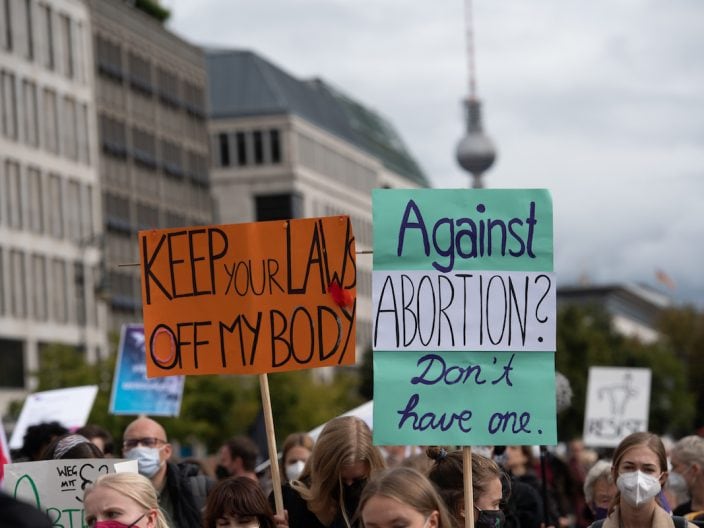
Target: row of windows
[248, 147]
[45, 203]
[37, 33]
[148, 79]
[362, 227]
[41, 118]
[337, 167]
[174, 161]
[42, 288]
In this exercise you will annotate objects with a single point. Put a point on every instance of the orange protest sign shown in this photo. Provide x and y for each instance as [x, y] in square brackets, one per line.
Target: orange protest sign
[249, 298]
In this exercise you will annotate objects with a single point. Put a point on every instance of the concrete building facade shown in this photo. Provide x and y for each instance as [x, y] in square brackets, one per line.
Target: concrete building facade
[50, 214]
[288, 148]
[151, 105]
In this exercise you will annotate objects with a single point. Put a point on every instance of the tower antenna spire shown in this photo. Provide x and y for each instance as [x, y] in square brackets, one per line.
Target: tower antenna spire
[475, 151]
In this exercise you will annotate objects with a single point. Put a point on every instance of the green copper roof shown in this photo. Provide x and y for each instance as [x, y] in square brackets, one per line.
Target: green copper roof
[243, 83]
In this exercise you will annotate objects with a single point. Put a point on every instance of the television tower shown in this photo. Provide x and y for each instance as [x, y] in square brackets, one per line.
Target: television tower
[475, 151]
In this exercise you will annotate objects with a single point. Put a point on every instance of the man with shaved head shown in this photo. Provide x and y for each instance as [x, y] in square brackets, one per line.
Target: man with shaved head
[182, 491]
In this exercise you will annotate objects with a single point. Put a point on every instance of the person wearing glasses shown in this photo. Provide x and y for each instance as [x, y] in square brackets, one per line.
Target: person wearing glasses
[181, 490]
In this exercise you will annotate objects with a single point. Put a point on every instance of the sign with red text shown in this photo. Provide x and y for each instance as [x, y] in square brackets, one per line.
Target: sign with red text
[249, 298]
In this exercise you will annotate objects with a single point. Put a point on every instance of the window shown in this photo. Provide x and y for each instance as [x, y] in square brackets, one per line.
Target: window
[18, 302]
[13, 194]
[83, 138]
[168, 87]
[113, 135]
[9, 105]
[70, 128]
[47, 42]
[73, 211]
[147, 216]
[275, 142]
[109, 57]
[279, 206]
[140, 72]
[258, 147]
[30, 31]
[241, 141]
[6, 24]
[58, 288]
[41, 310]
[79, 281]
[117, 212]
[171, 159]
[144, 148]
[56, 206]
[34, 190]
[197, 168]
[223, 142]
[31, 117]
[12, 371]
[51, 129]
[67, 46]
[87, 212]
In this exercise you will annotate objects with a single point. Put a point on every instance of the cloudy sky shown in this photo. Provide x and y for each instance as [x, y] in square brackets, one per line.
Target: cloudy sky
[602, 102]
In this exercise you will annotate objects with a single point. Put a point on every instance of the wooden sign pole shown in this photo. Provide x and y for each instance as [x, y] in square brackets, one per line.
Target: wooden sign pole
[468, 495]
[271, 444]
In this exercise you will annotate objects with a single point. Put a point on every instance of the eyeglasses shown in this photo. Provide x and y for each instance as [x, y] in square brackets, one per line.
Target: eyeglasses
[147, 441]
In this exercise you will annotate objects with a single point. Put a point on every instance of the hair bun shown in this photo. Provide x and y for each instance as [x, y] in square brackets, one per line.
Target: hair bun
[437, 453]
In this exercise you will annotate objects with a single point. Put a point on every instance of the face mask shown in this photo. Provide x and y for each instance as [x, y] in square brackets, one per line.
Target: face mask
[221, 472]
[293, 471]
[352, 493]
[490, 519]
[599, 512]
[116, 524]
[637, 487]
[148, 460]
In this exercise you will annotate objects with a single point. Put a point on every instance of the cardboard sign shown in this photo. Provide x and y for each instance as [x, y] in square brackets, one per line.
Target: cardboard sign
[464, 317]
[70, 407]
[249, 298]
[132, 391]
[56, 486]
[618, 403]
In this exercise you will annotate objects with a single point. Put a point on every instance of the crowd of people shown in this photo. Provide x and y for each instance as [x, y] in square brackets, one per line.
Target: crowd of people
[341, 480]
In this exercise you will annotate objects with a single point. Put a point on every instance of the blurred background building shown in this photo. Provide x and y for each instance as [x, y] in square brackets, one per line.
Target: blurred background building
[50, 223]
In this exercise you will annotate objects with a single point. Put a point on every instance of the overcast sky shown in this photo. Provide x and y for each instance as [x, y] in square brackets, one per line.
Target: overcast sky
[602, 102]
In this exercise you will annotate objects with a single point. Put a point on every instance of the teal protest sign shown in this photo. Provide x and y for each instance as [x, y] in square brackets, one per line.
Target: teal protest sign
[463, 300]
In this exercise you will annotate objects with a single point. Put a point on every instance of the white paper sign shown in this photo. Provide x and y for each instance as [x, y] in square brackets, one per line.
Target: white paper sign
[56, 486]
[464, 310]
[618, 403]
[70, 407]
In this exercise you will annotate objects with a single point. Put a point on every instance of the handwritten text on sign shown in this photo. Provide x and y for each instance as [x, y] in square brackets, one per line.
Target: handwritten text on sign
[56, 486]
[248, 298]
[428, 310]
[464, 317]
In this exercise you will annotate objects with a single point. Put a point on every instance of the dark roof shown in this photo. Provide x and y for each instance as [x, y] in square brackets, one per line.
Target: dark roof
[243, 83]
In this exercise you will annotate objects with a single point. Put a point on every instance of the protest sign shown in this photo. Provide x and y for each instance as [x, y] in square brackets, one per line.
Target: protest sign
[70, 407]
[249, 298]
[618, 403]
[132, 391]
[464, 317]
[56, 486]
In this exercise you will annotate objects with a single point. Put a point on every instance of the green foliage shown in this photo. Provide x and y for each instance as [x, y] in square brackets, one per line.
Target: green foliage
[153, 9]
[585, 338]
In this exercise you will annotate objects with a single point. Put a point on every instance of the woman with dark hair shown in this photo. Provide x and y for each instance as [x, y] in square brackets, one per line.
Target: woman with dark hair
[238, 502]
[71, 446]
[448, 476]
[640, 470]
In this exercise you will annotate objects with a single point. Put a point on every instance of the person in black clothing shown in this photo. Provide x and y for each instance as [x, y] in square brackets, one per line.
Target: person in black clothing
[182, 491]
[328, 491]
[18, 514]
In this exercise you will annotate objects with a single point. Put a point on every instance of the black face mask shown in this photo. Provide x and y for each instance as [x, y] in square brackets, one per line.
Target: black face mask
[351, 493]
[221, 472]
[490, 519]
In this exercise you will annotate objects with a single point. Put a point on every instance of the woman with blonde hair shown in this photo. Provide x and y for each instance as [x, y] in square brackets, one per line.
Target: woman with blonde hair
[640, 470]
[327, 492]
[294, 454]
[122, 500]
[402, 497]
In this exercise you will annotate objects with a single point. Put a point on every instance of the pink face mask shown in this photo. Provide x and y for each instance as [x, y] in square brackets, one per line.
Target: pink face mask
[116, 524]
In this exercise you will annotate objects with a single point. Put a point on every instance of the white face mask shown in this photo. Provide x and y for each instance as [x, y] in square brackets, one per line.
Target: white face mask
[293, 471]
[148, 459]
[637, 487]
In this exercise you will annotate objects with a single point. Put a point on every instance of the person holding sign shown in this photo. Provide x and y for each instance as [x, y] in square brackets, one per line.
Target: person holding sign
[640, 470]
[402, 497]
[447, 475]
[122, 500]
[327, 493]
